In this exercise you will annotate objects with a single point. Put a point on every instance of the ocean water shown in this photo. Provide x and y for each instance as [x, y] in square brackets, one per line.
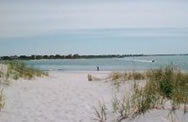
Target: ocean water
[111, 64]
[101, 41]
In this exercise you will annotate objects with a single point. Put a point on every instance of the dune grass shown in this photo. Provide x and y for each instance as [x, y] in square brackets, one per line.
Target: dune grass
[1, 75]
[100, 112]
[122, 107]
[124, 76]
[90, 78]
[167, 81]
[18, 70]
[167, 84]
[118, 78]
[170, 83]
[2, 100]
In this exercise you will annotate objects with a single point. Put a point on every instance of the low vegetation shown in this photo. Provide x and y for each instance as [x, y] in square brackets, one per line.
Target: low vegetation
[2, 100]
[162, 85]
[10, 70]
[124, 76]
[119, 78]
[18, 70]
[92, 78]
[169, 83]
[122, 107]
[100, 113]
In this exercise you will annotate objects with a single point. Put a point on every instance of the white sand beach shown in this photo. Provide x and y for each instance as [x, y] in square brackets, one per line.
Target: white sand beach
[66, 97]
[93, 61]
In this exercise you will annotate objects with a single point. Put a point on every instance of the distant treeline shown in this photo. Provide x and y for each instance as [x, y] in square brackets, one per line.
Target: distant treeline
[76, 56]
[70, 56]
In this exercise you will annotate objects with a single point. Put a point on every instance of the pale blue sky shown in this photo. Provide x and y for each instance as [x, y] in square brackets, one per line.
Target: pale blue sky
[93, 26]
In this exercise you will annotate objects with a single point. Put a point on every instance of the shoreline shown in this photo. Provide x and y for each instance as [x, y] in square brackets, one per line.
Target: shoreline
[77, 56]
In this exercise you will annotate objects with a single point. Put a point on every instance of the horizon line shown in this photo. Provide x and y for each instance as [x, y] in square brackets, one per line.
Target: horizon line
[154, 54]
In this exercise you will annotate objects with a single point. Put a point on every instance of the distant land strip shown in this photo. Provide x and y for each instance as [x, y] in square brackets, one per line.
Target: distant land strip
[77, 56]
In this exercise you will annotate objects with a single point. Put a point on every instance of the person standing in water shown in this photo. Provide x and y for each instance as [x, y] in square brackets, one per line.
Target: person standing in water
[98, 68]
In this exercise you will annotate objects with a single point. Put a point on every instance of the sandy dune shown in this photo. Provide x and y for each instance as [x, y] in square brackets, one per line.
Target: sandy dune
[64, 97]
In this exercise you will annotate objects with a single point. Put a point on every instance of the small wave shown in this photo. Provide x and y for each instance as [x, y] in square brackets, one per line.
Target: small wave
[143, 61]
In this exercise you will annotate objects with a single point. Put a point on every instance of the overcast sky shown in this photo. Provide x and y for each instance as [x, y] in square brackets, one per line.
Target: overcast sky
[23, 20]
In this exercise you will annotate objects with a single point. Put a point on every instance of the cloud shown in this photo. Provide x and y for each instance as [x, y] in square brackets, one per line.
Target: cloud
[31, 18]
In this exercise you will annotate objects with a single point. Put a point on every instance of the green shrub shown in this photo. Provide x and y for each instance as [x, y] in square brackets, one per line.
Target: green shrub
[170, 82]
[167, 83]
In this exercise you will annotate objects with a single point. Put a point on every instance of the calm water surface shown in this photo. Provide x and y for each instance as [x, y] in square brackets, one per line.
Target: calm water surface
[111, 64]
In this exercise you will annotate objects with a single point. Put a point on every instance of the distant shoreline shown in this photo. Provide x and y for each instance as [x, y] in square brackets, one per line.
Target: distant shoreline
[77, 56]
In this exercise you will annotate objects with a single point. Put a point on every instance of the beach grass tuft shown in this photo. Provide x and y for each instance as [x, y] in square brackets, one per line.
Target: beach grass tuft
[166, 84]
[170, 83]
[122, 107]
[90, 78]
[100, 112]
[2, 99]
[17, 69]
[124, 76]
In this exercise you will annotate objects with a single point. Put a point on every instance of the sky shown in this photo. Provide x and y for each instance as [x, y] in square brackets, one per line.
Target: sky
[93, 26]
